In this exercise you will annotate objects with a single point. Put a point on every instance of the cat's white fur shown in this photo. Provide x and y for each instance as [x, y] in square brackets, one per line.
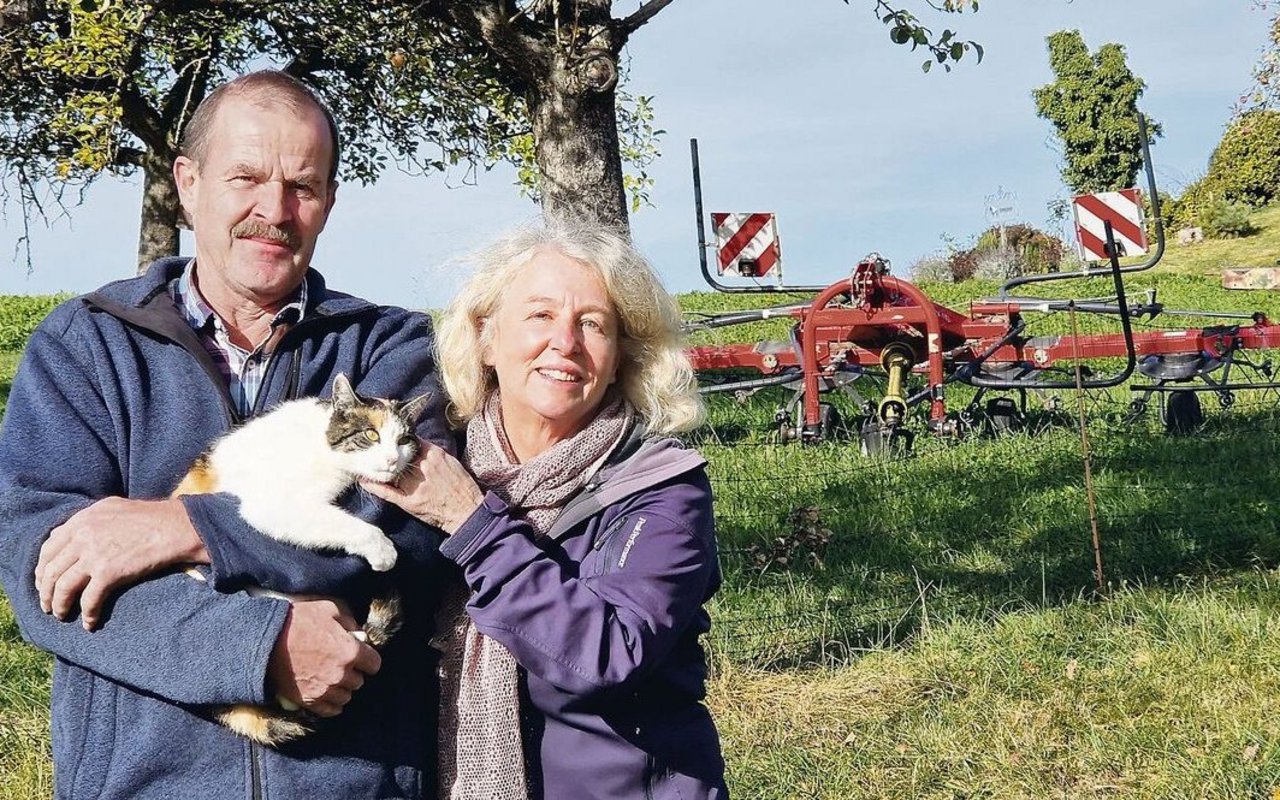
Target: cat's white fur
[282, 469]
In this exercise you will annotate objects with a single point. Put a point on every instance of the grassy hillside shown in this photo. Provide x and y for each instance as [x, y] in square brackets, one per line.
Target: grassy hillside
[1262, 249]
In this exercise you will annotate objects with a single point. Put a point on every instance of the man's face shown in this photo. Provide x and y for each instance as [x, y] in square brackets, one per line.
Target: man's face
[257, 200]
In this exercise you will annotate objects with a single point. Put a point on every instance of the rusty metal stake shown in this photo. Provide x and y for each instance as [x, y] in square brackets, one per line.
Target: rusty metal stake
[1084, 451]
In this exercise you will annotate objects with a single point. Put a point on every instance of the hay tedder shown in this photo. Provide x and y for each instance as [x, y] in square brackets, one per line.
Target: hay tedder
[872, 331]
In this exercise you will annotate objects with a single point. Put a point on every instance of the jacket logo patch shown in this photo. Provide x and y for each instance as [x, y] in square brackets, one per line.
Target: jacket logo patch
[631, 540]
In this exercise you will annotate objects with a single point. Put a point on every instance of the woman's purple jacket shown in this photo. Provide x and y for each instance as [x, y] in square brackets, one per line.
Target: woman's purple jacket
[603, 616]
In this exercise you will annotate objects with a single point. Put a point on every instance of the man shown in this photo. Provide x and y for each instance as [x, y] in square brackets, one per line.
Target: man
[117, 394]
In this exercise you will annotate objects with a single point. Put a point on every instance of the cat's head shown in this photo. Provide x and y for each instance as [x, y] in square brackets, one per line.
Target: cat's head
[373, 437]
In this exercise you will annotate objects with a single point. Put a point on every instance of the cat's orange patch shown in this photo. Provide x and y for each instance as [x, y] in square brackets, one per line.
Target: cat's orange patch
[200, 480]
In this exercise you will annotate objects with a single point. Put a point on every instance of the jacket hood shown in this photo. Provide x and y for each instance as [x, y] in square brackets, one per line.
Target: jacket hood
[639, 463]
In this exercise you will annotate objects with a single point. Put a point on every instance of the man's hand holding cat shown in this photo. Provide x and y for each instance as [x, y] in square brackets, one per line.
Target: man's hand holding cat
[316, 662]
[435, 488]
[109, 545]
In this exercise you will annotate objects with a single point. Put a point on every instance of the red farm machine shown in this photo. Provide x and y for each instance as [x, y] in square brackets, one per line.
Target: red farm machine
[874, 331]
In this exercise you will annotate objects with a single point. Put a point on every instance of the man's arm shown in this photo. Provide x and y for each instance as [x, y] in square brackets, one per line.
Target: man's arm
[172, 636]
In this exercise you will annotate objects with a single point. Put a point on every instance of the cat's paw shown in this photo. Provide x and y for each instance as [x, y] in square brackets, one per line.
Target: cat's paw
[379, 552]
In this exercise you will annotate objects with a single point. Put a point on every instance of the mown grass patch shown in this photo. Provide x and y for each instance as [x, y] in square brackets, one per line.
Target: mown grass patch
[1155, 693]
[1261, 249]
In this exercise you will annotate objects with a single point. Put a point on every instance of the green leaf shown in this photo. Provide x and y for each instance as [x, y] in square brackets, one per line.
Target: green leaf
[977, 48]
[957, 50]
[926, 66]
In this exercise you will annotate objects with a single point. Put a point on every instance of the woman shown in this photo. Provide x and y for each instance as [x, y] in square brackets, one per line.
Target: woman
[585, 538]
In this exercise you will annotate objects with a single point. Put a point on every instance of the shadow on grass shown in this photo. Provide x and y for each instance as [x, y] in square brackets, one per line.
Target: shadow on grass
[978, 529]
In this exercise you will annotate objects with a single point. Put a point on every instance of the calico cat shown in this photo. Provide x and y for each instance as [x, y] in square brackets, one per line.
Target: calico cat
[287, 467]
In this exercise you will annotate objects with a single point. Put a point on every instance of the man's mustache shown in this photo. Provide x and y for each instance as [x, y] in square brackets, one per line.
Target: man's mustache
[257, 229]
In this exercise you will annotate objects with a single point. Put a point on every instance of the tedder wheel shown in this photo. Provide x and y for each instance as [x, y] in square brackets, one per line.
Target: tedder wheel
[1182, 414]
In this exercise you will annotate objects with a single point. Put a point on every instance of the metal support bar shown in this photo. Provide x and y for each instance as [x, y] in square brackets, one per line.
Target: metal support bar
[1126, 325]
[1210, 387]
[1151, 261]
[702, 244]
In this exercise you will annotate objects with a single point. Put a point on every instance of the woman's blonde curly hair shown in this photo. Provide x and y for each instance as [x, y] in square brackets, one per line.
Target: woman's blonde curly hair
[653, 371]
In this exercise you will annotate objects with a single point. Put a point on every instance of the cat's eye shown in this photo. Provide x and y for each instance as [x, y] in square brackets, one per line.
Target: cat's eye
[404, 440]
[371, 435]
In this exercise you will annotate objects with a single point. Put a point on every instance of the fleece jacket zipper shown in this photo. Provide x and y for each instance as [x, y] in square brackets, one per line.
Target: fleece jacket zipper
[255, 770]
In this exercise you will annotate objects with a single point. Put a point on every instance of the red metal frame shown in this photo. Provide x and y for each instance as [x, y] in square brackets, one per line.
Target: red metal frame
[883, 309]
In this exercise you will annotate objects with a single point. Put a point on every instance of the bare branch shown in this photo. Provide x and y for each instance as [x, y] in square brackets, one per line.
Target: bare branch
[640, 16]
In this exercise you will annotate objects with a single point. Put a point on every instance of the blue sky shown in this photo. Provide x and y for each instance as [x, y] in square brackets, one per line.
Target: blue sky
[809, 112]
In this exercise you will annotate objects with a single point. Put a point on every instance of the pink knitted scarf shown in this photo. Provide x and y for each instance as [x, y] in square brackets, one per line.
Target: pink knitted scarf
[481, 753]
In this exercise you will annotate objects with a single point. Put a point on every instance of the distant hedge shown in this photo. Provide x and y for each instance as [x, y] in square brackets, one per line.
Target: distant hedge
[19, 316]
[1245, 166]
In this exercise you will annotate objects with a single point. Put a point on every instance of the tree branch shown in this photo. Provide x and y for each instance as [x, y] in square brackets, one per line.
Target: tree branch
[640, 16]
[148, 126]
[519, 52]
[128, 157]
[186, 93]
[17, 13]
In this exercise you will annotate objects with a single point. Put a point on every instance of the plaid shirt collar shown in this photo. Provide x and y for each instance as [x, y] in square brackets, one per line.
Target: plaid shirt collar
[200, 314]
[242, 370]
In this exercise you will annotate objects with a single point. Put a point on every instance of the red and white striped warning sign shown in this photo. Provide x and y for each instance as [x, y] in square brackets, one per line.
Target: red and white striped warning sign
[747, 245]
[1123, 209]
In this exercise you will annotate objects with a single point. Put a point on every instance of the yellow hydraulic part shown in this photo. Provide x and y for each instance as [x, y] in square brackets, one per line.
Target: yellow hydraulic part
[896, 358]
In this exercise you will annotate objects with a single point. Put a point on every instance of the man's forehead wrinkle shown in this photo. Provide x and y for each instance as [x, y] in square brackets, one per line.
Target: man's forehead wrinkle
[252, 154]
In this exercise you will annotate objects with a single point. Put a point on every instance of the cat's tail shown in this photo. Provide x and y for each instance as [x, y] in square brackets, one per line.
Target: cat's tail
[386, 614]
[269, 726]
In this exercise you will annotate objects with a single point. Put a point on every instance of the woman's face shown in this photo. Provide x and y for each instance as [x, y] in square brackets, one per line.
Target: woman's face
[554, 347]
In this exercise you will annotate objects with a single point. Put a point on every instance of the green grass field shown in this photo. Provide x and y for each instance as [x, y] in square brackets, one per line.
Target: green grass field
[948, 640]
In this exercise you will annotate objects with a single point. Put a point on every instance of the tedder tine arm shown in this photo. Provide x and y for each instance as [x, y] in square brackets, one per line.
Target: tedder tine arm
[1102, 383]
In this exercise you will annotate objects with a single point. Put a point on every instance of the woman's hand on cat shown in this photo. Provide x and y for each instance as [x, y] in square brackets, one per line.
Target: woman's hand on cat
[435, 488]
[108, 545]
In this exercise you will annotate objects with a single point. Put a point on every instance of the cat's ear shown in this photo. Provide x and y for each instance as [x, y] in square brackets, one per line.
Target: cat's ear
[343, 395]
[413, 409]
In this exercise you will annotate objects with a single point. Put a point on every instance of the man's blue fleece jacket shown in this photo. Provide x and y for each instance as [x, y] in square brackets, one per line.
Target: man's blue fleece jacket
[116, 396]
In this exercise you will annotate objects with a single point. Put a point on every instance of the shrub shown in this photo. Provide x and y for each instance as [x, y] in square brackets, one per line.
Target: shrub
[1170, 208]
[1193, 201]
[1020, 250]
[1245, 166]
[933, 268]
[964, 264]
[999, 264]
[1223, 219]
[19, 316]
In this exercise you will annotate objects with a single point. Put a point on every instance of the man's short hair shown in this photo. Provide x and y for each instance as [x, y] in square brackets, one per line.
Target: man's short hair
[266, 88]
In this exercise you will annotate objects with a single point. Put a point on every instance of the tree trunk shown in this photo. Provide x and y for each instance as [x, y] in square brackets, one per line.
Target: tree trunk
[575, 134]
[158, 235]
